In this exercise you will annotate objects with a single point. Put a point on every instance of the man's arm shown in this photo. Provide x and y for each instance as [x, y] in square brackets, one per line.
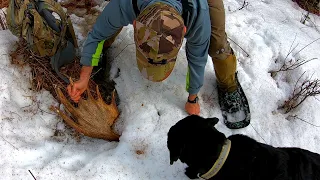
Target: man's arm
[197, 53]
[115, 15]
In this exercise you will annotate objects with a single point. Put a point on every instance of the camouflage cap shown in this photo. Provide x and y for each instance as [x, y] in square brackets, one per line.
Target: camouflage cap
[158, 35]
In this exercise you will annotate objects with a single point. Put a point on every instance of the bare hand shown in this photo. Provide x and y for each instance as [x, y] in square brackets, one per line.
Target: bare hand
[77, 89]
[192, 108]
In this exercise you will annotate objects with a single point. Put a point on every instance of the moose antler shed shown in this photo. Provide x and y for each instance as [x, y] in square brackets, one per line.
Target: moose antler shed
[92, 117]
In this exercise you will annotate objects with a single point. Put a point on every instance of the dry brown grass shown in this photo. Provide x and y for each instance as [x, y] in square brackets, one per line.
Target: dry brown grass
[303, 89]
[4, 3]
[311, 6]
[43, 76]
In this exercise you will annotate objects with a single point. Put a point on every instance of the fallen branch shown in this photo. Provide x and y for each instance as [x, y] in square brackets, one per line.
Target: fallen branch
[296, 117]
[32, 175]
[245, 4]
[9, 143]
[258, 133]
[239, 47]
[305, 17]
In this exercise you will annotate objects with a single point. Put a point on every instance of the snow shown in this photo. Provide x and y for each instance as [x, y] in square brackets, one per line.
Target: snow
[34, 138]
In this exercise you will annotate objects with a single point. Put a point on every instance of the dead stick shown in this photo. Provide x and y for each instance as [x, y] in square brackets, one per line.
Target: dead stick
[296, 117]
[239, 47]
[9, 143]
[32, 175]
[45, 68]
[258, 133]
[71, 81]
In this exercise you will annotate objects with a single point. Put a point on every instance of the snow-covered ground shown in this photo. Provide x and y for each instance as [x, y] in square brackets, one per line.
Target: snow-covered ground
[34, 138]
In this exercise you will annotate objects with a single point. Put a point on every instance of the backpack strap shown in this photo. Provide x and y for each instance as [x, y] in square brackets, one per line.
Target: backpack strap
[72, 32]
[135, 7]
[69, 30]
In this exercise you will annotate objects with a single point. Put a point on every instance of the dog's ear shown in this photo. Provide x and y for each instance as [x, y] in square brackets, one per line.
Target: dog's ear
[175, 144]
[212, 121]
[173, 157]
[175, 153]
[175, 149]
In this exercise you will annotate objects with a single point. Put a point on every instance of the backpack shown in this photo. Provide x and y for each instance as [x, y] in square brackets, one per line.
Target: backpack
[46, 28]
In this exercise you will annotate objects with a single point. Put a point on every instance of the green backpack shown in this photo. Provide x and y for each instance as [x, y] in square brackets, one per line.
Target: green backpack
[46, 28]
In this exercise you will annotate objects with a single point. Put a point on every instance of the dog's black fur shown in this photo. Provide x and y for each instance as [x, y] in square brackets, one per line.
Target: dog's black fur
[195, 141]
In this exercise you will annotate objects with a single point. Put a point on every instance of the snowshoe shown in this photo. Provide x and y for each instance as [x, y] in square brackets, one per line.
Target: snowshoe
[235, 108]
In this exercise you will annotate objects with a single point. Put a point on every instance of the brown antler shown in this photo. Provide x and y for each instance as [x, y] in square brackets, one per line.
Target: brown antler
[94, 117]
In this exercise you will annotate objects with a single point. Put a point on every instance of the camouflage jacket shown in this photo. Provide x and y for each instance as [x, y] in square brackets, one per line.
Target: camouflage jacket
[119, 13]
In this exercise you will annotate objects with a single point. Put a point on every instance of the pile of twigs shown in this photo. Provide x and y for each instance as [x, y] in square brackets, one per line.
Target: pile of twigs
[4, 3]
[311, 6]
[43, 76]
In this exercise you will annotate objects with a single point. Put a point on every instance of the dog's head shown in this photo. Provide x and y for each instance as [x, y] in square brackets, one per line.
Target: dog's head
[195, 141]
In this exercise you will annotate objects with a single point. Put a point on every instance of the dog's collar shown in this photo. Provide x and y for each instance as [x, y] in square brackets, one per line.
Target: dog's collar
[220, 161]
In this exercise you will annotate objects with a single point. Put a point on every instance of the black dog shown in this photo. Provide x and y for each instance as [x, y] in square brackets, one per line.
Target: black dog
[195, 141]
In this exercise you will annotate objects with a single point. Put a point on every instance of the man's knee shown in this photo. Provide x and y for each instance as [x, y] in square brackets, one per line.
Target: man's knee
[220, 51]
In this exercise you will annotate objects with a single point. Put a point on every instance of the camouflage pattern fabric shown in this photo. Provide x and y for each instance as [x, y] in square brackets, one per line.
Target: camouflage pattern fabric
[24, 20]
[158, 35]
[16, 15]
